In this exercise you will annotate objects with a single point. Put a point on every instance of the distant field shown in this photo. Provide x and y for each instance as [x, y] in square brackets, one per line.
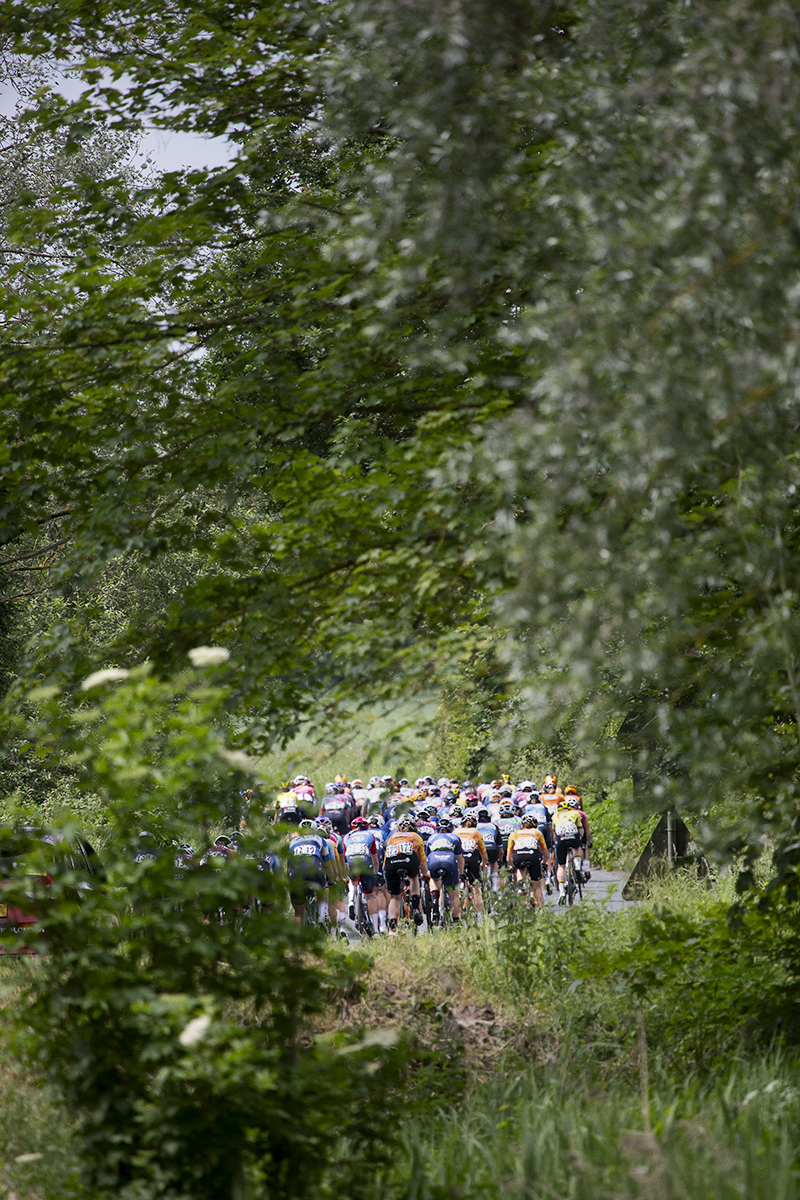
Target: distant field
[392, 740]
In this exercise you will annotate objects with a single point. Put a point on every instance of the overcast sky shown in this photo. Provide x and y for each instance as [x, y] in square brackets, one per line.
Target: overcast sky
[169, 151]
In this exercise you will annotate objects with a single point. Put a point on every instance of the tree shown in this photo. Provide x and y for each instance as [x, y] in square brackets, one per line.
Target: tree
[515, 327]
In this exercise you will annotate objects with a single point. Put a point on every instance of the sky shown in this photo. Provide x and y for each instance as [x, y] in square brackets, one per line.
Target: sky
[168, 150]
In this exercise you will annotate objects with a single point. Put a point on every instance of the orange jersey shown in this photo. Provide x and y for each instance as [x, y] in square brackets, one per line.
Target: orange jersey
[526, 839]
[472, 843]
[401, 844]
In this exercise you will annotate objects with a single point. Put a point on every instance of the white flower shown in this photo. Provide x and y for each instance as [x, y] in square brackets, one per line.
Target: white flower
[208, 656]
[195, 1031]
[107, 675]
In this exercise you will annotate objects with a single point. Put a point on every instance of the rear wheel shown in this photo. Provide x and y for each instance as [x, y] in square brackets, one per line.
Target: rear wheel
[571, 885]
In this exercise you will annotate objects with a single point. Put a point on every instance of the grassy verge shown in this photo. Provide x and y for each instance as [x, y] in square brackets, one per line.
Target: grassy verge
[39, 1155]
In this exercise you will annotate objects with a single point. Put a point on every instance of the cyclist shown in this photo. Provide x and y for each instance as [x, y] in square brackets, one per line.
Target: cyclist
[310, 867]
[527, 853]
[551, 794]
[569, 835]
[493, 843]
[336, 899]
[426, 822]
[405, 857]
[507, 822]
[335, 805]
[363, 866]
[360, 797]
[575, 802]
[291, 809]
[473, 850]
[375, 823]
[446, 865]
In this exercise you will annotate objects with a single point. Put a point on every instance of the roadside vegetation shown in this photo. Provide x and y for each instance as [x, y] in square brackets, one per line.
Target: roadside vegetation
[582, 1053]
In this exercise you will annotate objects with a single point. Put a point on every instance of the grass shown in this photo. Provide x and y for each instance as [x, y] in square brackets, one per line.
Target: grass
[39, 1154]
[535, 1134]
[389, 739]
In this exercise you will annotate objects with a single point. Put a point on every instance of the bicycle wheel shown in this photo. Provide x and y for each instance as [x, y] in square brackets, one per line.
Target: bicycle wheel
[427, 902]
[570, 879]
[445, 912]
[363, 920]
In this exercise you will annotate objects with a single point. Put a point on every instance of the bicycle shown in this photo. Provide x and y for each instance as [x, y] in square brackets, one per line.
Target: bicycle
[572, 879]
[363, 920]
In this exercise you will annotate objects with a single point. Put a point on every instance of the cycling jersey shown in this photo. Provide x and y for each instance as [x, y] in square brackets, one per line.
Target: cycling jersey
[567, 824]
[526, 843]
[491, 840]
[474, 850]
[405, 855]
[506, 826]
[443, 848]
[538, 810]
[292, 808]
[359, 846]
[426, 829]
[337, 808]
[308, 852]
[527, 850]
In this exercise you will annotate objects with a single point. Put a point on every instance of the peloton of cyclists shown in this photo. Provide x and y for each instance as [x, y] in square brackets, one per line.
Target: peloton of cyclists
[385, 837]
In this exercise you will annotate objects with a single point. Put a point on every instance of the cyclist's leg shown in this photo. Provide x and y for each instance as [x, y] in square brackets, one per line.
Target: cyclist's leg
[395, 875]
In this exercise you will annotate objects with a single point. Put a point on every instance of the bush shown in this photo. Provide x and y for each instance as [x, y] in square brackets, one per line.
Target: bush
[174, 1024]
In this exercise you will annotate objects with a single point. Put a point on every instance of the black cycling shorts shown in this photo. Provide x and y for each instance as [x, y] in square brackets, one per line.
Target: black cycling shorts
[397, 868]
[493, 854]
[301, 882]
[564, 845]
[472, 867]
[444, 868]
[530, 862]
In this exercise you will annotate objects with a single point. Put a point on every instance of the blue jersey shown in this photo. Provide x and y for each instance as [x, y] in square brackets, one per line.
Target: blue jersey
[359, 845]
[536, 809]
[490, 834]
[310, 849]
[444, 845]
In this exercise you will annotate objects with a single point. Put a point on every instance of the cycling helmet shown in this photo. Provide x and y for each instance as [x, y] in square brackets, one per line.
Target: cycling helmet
[506, 809]
[506, 790]
[445, 825]
[223, 840]
[430, 810]
[386, 779]
[407, 824]
[307, 823]
[186, 849]
[340, 779]
[457, 811]
[470, 821]
[374, 821]
[358, 783]
[483, 814]
[404, 783]
[359, 823]
[550, 782]
[325, 822]
[373, 781]
[529, 821]
[330, 787]
[573, 801]
[570, 790]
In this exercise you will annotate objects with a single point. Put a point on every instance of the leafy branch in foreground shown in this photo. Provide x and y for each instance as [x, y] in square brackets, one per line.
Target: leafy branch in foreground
[171, 1006]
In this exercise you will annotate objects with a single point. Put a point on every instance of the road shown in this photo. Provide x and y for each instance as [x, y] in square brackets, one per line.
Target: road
[605, 887]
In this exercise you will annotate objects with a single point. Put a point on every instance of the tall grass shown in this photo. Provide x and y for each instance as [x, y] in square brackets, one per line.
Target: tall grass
[528, 1134]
